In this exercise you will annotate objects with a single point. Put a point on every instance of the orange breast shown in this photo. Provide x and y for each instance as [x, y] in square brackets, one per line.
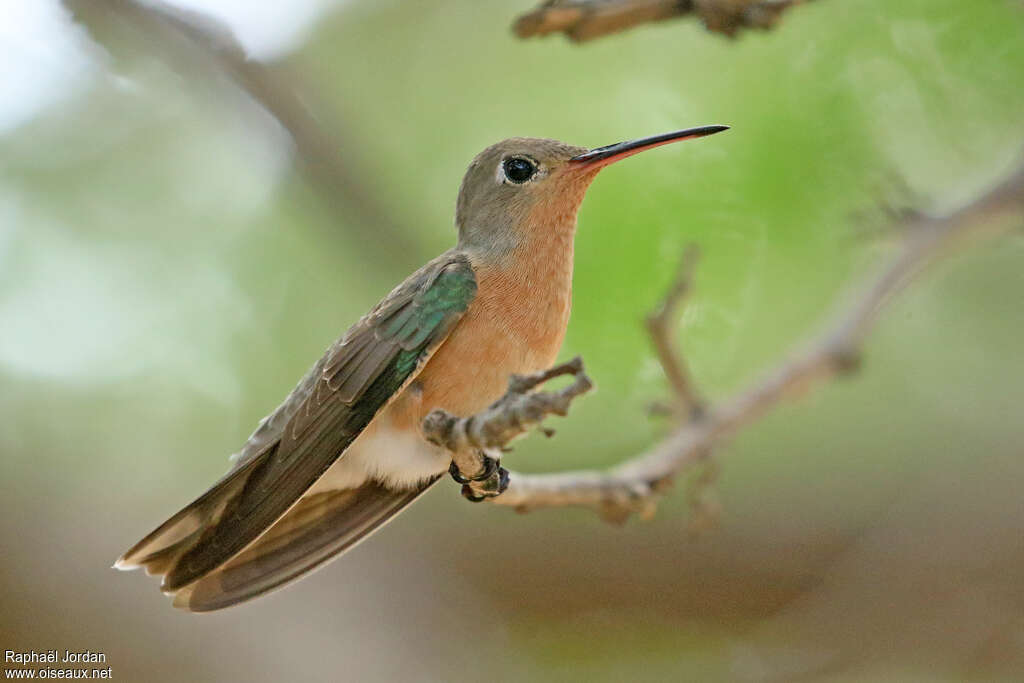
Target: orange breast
[515, 324]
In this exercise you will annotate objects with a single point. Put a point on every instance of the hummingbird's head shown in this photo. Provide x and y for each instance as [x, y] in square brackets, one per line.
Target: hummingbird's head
[520, 187]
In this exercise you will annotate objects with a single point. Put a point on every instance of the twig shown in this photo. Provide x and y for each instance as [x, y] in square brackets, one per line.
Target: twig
[486, 435]
[583, 20]
[702, 496]
[329, 160]
[660, 326]
[635, 485]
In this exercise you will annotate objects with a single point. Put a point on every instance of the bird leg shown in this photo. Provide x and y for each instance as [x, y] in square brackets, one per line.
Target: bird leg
[478, 441]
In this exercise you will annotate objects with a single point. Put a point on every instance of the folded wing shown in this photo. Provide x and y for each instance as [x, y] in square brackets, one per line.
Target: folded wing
[296, 444]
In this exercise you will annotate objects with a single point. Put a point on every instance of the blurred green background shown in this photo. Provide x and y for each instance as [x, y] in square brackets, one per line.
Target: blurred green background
[167, 275]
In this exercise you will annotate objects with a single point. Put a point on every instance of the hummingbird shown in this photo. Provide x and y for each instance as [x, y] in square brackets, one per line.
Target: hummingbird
[345, 452]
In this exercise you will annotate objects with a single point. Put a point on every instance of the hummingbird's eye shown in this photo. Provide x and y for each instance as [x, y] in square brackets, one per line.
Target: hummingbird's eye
[518, 169]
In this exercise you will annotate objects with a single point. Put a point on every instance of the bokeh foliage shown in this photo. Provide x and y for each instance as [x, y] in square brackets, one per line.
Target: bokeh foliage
[165, 278]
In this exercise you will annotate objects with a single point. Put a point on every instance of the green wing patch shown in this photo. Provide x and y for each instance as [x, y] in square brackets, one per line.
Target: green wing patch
[358, 376]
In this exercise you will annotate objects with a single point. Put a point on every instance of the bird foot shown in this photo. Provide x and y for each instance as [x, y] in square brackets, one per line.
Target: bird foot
[488, 465]
[493, 486]
[491, 480]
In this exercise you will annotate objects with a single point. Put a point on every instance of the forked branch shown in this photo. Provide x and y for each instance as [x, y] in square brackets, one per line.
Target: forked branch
[661, 328]
[635, 485]
[477, 442]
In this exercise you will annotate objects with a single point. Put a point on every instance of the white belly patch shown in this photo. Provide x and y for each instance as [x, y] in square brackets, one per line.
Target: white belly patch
[397, 459]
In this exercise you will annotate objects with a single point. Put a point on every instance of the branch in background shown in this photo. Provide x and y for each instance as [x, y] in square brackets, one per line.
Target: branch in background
[583, 20]
[330, 160]
[635, 485]
[660, 326]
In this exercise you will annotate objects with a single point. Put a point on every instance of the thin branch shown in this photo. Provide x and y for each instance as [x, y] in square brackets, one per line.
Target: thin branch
[477, 440]
[583, 20]
[327, 156]
[661, 328]
[635, 485]
[702, 496]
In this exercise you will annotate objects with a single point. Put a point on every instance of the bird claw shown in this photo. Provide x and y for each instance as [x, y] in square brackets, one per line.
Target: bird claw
[491, 487]
[490, 466]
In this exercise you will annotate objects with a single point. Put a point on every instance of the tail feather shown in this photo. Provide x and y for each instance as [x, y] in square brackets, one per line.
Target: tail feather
[319, 528]
[158, 552]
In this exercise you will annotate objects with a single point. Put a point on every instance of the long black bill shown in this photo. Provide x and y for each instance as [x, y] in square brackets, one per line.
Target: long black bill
[608, 154]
